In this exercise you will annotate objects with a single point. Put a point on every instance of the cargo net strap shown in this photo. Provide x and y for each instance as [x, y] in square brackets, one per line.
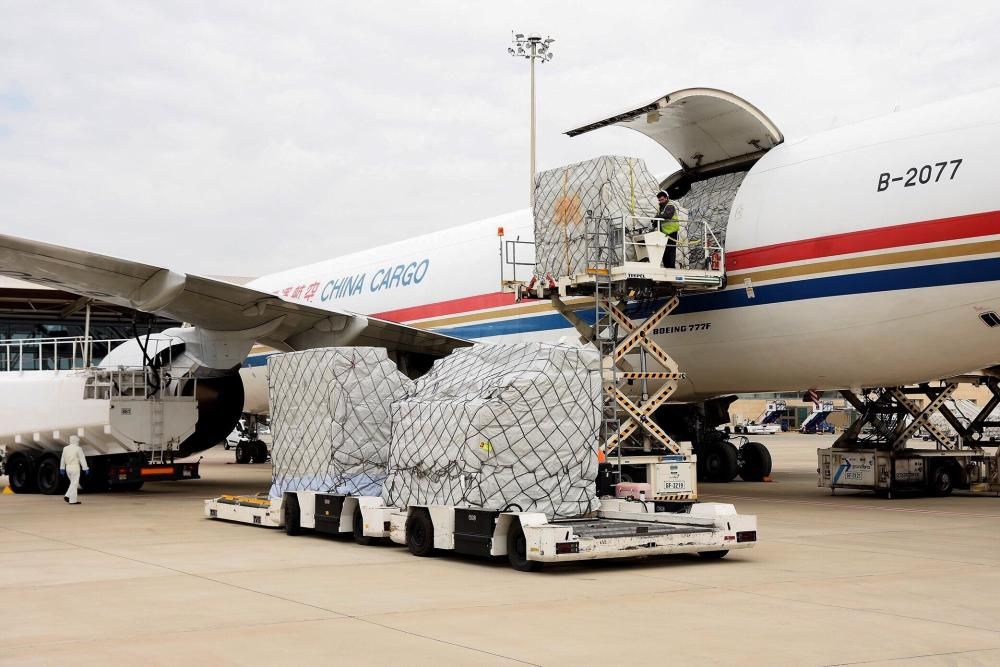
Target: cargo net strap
[512, 427]
[574, 203]
[330, 419]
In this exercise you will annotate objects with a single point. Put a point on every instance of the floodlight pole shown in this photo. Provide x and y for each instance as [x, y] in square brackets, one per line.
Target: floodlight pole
[532, 47]
[531, 174]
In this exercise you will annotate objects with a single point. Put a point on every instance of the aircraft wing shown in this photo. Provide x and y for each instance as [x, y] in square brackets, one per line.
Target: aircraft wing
[207, 303]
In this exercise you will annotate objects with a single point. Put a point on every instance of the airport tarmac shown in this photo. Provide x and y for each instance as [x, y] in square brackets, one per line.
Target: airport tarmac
[850, 579]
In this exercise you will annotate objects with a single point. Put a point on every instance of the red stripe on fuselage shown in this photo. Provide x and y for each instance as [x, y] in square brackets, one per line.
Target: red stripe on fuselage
[452, 307]
[881, 238]
[915, 233]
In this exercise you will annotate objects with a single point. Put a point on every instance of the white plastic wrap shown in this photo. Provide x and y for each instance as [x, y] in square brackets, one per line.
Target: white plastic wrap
[330, 419]
[500, 427]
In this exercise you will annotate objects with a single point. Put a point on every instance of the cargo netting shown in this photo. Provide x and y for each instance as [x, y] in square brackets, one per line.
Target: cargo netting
[500, 427]
[584, 199]
[330, 419]
[710, 202]
[572, 201]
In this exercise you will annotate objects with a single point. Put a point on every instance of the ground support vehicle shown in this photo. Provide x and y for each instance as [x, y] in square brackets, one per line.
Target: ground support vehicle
[619, 267]
[914, 470]
[129, 419]
[752, 428]
[619, 529]
[366, 518]
[875, 453]
[37, 471]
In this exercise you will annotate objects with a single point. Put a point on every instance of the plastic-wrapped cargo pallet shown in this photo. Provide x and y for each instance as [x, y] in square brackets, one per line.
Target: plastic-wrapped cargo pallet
[500, 427]
[709, 201]
[330, 419]
[610, 187]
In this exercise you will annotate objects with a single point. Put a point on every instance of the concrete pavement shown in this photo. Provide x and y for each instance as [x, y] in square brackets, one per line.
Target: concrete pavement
[849, 579]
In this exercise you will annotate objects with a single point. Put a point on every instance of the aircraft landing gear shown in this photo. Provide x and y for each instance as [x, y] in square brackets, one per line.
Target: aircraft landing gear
[250, 448]
[722, 456]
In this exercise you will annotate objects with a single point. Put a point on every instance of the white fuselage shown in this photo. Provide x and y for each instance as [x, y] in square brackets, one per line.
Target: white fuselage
[871, 251]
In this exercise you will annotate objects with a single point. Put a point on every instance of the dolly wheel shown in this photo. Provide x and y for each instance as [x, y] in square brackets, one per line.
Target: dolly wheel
[358, 528]
[420, 533]
[517, 549]
[293, 515]
[713, 555]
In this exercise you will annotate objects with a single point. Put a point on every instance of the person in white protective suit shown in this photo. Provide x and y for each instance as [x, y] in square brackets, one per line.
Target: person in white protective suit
[70, 464]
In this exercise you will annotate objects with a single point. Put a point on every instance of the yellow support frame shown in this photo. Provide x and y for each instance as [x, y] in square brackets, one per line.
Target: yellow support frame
[639, 337]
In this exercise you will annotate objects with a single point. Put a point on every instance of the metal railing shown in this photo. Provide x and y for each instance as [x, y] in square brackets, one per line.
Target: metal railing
[135, 383]
[634, 227]
[60, 354]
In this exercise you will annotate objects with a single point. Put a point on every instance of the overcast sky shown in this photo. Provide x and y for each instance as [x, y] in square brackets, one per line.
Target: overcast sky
[246, 137]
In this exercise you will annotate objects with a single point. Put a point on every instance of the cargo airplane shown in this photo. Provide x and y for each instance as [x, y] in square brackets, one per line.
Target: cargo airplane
[863, 256]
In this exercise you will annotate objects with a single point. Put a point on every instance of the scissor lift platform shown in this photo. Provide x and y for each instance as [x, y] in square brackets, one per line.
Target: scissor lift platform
[641, 277]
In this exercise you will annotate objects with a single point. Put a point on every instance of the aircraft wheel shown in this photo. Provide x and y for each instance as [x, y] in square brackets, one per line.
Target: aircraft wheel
[258, 451]
[48, 480]
[21, 473]
[243, 452]
[420, 533]
[517, 549]
[721, 462]
[755, 462]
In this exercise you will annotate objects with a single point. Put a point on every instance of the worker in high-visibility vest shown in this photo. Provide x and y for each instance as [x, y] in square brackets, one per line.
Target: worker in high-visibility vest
[670, 224]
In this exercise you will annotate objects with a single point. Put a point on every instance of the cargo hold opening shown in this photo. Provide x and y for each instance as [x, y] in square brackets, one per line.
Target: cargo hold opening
[715, 136]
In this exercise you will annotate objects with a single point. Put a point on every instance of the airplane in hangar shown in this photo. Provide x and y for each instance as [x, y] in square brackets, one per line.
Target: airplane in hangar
[862, 256]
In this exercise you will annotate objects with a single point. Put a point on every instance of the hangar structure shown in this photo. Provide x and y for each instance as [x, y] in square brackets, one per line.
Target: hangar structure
[35, 313]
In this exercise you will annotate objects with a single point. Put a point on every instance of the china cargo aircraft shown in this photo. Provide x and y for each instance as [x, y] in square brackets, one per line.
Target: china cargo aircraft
[863, 256]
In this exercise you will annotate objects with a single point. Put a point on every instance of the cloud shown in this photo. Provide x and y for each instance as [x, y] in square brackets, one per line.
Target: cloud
[235, 138]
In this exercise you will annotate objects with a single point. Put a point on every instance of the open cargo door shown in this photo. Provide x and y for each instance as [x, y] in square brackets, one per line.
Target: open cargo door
[706, 130]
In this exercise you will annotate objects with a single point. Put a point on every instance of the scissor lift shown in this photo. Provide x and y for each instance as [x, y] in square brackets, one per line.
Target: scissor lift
[877, 452]
[626, 280]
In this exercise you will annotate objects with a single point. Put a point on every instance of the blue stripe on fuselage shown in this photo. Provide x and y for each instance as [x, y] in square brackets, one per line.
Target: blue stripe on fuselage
[255, 360]
[884, 280]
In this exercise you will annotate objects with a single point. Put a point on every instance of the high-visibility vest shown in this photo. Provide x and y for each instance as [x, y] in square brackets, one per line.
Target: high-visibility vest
[673, 224]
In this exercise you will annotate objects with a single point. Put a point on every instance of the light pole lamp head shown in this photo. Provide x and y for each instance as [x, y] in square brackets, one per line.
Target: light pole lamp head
[531, 46]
